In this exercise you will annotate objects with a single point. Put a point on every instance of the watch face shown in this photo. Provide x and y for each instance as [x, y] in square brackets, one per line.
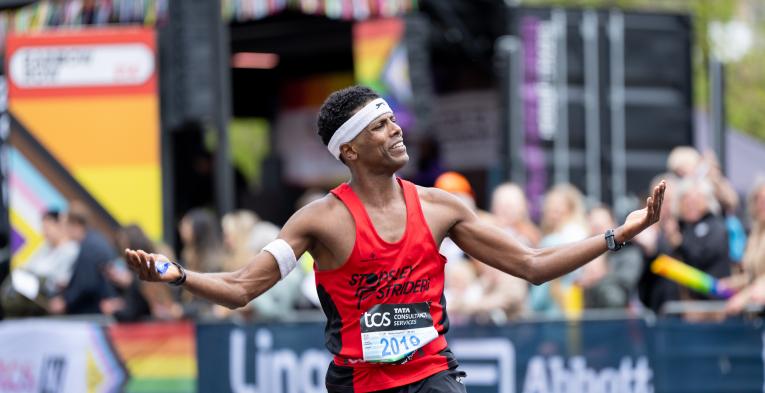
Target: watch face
[611, 241]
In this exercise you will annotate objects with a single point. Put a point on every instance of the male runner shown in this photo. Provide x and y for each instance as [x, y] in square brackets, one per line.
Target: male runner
[375, 241]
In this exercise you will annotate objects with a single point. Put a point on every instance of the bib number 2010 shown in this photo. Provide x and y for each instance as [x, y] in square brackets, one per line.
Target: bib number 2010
[394, 347]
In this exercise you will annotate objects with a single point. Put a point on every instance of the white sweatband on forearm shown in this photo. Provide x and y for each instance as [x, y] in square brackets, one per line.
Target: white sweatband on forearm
[283, 254]
[356, 124]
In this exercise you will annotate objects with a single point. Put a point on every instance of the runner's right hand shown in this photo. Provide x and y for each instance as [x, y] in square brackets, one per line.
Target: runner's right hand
[145, 265]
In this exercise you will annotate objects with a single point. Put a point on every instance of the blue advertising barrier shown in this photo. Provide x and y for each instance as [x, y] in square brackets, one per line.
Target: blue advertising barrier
[530, 357]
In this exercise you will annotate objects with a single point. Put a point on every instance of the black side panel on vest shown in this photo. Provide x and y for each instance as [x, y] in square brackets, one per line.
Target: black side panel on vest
[334, 321]
[444, 317]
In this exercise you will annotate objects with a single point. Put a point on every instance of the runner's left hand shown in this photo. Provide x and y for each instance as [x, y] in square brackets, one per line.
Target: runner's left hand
[641, 219]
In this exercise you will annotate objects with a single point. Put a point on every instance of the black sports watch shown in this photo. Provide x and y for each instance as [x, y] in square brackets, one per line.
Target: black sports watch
[611, 241]
[180, 280]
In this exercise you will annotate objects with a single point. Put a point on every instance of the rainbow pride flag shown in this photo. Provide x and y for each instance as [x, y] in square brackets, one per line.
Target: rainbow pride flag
[159, 357]
[381, 62]
[688, 276]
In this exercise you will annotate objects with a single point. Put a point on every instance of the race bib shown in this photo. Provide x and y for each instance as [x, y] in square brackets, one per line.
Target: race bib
[392, 332]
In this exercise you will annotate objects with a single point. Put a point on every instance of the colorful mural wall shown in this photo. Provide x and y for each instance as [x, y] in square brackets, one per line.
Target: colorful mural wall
[85, 126]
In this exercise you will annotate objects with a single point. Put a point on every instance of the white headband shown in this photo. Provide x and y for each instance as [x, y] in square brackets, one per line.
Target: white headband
[356, 124]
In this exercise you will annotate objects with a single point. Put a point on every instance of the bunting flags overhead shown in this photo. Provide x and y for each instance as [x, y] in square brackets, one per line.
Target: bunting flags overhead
[54, 13]
[245, 10]
[46, 14]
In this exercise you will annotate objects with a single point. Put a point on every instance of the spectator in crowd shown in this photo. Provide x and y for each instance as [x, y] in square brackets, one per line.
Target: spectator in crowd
[244, 235]
[201, 240]
[698, 237]
[562, 222]
[462, 292]
[511, 211]
[459, 186]
[610, 279]
[753, 294]
[261, 233]
[87, 291]
[482, 293]
[202, 249]
[684, 162]
[751, 283]
[51, 266]
[653, 289]
[54, 262]
[503, 297]
[498, 294]
[563, 216]
[754, 256]
[138, 299]
[237, 229]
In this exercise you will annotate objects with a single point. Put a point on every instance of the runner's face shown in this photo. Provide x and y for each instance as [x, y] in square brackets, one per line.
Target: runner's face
[381, 144]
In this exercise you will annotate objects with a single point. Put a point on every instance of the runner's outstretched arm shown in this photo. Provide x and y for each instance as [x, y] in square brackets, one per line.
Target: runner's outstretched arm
[500, 250]
[231, 289]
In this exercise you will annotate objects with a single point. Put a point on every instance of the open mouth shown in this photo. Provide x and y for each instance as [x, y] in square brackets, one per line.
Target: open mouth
[398, 146]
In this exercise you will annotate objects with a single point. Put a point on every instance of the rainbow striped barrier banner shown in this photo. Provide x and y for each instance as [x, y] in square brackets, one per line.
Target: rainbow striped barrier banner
[159, 357]
[44, 355]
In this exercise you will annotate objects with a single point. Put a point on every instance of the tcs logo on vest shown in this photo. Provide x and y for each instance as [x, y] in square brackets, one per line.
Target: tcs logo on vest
[377, 319]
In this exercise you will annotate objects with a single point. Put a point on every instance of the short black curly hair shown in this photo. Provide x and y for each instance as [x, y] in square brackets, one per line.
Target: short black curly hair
[339, 107]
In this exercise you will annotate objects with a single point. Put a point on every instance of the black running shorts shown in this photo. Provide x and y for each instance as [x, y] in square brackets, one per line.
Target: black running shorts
[448, 381]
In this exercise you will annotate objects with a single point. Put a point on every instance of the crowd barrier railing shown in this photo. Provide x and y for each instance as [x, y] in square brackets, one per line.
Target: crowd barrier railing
[599, 354]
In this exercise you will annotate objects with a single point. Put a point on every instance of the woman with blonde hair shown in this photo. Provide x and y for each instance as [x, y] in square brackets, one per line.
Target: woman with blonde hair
[563, 221]
[244, 235]
[511, 210]
[237, 227]
[754, 257]
[563, 216]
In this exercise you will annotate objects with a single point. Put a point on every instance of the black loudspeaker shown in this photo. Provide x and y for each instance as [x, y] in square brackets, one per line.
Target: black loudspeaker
[604, 96]
[194, 59]
[416, 38]
[194, 63]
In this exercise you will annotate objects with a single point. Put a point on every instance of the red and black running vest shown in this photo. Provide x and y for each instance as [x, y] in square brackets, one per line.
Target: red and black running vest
[408, 271]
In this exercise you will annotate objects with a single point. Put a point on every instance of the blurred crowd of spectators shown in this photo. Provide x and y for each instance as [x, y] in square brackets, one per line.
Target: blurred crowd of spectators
[704, 224]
